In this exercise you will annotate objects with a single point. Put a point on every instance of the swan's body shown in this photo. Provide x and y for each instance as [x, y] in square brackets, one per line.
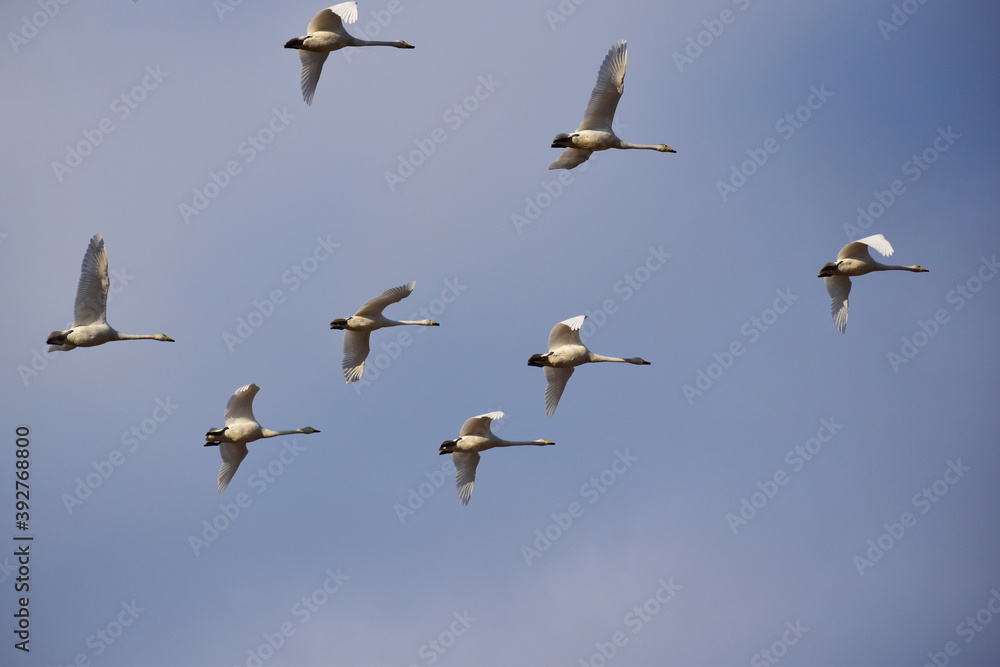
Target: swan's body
[90, 324]
[241, 427]
[566, 351]
[476, 437]
[595, 132]
[359, 326]
[855, 260]
[326, 33]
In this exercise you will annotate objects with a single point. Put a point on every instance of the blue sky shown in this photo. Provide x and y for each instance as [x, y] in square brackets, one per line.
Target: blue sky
[768, 490]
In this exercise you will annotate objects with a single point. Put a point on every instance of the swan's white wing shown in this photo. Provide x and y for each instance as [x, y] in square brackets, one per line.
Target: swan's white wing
[878, 242]
[607, 91]
[92, 290]
[240, 406]
[859, 249]
[566, 332]
[232, 454]
[312, 67]
[480, 425]
[376, 305]
[355, 352]
[838, 287]
[556, 379]
[571, 157]
[465, 473]
[332, 19]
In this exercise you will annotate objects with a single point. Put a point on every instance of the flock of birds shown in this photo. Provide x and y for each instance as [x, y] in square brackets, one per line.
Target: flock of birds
[326, 33]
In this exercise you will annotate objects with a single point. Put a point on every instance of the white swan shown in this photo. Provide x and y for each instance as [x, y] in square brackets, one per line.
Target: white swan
[475, 437]
[595, 132]
[855, 260]
[241, 427]
[326, 33]
[566, 351]
[90, 324]
[359, 326]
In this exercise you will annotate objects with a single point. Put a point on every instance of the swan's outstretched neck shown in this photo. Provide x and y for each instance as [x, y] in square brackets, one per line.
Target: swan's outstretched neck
[268, 433]
[422, 323]
[519, 443]
[638, 361]
[399, 44]
[663, 148]
[163, 337]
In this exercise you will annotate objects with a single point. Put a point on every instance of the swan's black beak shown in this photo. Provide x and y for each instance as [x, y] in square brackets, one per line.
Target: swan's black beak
[295, 43]
[339, 323]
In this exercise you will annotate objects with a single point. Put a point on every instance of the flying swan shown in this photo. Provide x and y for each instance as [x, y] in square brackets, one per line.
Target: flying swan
[369, 317]
[476, 437]
[326, 33]
[565, 352]
[855, 260]
[595, 132]
[241, 427]
[90, 324]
